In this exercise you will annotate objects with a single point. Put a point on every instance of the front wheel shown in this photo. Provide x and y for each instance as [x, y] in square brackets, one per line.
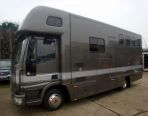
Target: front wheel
[53, 100]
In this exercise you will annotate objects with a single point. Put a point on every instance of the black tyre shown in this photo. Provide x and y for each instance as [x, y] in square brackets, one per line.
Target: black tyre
[53, 100]
[124, 84]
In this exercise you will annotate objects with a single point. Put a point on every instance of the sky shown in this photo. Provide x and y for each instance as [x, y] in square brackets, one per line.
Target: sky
[131, 15]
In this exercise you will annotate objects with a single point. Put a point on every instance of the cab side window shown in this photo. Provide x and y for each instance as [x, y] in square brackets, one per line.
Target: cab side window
[46, 50]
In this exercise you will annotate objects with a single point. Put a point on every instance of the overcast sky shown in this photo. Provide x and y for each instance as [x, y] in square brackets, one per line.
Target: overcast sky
[131, 15]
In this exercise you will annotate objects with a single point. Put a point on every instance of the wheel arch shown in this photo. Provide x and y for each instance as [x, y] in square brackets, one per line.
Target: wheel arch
[128, 79]
[62, 88]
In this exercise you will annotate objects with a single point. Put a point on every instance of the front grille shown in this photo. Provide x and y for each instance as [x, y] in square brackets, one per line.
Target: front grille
[33, 94]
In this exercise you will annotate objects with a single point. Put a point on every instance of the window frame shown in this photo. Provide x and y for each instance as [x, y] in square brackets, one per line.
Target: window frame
[97, 45]
[121, 39]
[127, 41]
[47, 44]
[54, 25]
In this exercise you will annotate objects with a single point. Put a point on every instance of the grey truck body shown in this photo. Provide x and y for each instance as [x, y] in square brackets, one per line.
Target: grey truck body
[80, 56]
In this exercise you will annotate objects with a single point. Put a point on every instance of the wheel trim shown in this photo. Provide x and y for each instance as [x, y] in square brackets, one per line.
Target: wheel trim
[124, 85]
[55, 100]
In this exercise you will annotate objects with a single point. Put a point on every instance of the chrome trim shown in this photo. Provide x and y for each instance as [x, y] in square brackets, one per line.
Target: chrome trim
[104, 71]
[54, 100]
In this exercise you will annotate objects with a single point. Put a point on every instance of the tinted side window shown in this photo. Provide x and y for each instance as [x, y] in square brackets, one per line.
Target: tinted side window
[128, 42]
[46, 50]
[96, 44]
[132, 41]
[138, 42]
[121, 39]
[54, 21]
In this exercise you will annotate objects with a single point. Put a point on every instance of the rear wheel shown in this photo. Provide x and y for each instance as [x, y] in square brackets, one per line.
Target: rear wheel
[124, 84]
[53, 100]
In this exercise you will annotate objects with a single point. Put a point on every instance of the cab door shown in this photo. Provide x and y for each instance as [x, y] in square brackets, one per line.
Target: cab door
[42, 62]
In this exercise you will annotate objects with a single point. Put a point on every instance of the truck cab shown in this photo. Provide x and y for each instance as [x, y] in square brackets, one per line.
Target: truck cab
[36, 64]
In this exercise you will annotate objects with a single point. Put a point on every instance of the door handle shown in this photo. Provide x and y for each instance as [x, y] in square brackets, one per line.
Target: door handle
[112, 78]
[54, 77]
[79, 64]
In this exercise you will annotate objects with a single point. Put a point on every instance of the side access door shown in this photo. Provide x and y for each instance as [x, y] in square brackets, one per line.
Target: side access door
[113, 79]
[145, 61]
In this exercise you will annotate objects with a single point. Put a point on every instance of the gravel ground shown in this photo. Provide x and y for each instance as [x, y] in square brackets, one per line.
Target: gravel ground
[129, 102]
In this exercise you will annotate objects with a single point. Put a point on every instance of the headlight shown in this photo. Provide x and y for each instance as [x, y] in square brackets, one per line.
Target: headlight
[18, 101]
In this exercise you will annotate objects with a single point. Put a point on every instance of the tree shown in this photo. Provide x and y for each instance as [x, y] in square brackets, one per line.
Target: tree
[8, 25]
[7, 31]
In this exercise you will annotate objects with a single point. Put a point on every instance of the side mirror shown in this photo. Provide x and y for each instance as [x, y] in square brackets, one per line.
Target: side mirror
[30, 67]
[31, 60]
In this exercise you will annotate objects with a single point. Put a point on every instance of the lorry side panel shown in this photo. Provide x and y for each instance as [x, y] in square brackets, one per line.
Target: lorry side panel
[94, 72]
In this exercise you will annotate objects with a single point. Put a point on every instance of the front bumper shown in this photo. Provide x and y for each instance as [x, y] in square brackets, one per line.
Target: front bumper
[19, 99]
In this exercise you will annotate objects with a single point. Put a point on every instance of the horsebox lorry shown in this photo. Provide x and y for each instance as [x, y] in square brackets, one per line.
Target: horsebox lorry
[60, 56]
